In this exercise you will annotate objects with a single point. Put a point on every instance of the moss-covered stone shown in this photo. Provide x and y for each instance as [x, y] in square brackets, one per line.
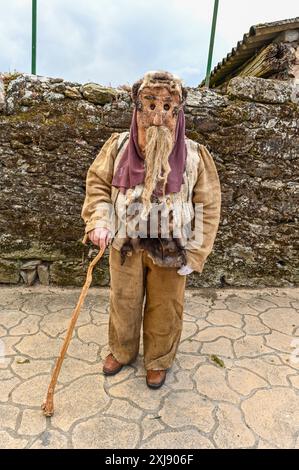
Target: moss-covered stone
[73, 273]
[48, 145]
[9, 272]
[98, 94]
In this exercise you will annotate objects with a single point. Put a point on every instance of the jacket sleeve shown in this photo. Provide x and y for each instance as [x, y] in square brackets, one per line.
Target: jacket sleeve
[96, 210]
[206, 200]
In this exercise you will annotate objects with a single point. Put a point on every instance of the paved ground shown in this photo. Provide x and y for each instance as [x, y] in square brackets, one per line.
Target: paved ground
[251, 399]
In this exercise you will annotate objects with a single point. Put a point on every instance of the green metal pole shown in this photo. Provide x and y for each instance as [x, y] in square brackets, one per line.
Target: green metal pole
[212, 37]
[33, 48]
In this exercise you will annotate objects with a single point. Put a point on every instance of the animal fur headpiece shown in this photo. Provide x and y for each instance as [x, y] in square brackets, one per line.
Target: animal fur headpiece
[160, 79]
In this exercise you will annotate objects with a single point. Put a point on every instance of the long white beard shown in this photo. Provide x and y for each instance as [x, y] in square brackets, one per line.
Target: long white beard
[159, 144]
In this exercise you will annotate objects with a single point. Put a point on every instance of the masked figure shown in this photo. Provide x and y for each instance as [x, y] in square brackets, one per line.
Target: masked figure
[153, 196]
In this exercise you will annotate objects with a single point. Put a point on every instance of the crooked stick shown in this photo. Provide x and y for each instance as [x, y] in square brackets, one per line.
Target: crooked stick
[48, 405]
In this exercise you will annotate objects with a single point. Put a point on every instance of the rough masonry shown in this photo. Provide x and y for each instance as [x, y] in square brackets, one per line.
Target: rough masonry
[51, 130]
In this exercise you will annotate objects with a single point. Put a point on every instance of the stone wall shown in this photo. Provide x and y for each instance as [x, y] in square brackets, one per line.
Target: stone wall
[51, 130]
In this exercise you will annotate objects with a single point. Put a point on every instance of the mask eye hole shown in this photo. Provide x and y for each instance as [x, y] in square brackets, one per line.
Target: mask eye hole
[152, 106]
[166, 107]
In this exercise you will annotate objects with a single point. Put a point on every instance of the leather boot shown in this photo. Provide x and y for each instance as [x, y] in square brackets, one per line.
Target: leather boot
[111, 366]
[155, 378]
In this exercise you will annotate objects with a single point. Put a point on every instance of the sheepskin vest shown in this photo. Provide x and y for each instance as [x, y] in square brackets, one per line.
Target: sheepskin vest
[164, 250]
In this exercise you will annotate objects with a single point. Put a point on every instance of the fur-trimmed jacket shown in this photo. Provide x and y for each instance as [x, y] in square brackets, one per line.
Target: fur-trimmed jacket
[197, 207]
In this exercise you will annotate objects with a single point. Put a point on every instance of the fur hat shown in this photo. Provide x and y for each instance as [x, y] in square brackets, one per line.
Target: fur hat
[160, 78]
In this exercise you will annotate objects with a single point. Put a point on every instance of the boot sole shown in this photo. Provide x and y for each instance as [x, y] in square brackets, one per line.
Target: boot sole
[155, 386]
[113, 372]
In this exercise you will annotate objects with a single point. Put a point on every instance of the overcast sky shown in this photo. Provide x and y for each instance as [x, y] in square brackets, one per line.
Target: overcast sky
[114, 42]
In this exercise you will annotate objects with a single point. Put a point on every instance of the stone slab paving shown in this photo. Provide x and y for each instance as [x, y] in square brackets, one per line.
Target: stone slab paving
[234, 384]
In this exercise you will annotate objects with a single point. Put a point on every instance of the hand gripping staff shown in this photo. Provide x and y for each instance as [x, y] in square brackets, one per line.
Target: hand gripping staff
[48, 405]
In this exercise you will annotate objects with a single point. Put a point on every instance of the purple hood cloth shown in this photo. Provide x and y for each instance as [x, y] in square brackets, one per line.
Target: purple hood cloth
[131, 171]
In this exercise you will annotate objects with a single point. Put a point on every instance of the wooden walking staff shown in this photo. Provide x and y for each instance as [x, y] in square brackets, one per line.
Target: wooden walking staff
[48, 405]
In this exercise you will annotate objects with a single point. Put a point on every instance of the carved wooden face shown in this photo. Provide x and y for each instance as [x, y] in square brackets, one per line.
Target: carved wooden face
[156, 107]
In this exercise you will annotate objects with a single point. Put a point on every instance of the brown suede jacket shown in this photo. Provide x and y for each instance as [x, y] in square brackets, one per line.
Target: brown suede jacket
[201, 187]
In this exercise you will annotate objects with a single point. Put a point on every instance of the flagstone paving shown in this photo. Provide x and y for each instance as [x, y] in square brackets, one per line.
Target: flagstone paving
[234, 383]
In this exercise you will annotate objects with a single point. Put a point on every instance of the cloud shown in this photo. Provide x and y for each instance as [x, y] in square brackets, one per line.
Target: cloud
[115, 42]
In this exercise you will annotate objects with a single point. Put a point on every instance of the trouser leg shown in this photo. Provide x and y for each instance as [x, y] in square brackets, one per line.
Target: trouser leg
[126, 302]
[163, 315]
